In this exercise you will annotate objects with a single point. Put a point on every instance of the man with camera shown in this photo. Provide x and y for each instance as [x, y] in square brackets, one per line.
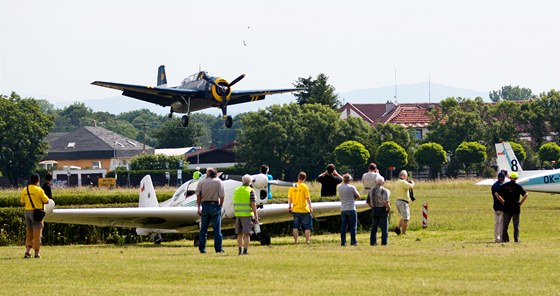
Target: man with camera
[402, 193]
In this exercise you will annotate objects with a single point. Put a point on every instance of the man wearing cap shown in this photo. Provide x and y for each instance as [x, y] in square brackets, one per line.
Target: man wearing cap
[209, 200]
[197, 174]
[245, 210]
[498, 209]
[509, 194]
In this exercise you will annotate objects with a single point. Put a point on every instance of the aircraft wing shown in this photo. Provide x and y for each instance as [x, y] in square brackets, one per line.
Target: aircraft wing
[148, 217]
[487, 182]
[163, 96]
[272, 213]
[244, 96]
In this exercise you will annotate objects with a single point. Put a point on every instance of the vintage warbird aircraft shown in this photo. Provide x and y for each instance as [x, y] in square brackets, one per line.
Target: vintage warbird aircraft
[196, 92]
[179, 213]
[532, 180]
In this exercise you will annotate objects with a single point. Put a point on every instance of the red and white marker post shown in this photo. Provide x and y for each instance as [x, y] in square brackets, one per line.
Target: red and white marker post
[425, 215]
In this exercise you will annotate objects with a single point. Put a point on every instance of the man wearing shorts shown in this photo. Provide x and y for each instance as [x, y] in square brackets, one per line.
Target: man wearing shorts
[403, 198]
[245, 213]
[299, 203]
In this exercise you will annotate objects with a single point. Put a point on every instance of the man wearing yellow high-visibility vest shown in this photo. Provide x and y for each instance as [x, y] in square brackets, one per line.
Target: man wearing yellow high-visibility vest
[245, 212]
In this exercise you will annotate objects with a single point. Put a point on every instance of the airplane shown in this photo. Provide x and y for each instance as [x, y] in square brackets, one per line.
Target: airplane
[547, 181]
[197, 92]
[179, 213]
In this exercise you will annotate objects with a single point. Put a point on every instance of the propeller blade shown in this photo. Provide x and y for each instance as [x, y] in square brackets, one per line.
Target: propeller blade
[209, 80]
[236, 80]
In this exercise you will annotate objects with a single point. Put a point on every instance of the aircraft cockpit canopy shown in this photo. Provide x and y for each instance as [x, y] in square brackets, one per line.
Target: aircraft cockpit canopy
[194, 77]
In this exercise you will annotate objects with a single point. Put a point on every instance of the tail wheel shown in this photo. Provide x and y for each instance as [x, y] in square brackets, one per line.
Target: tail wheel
[265, 239]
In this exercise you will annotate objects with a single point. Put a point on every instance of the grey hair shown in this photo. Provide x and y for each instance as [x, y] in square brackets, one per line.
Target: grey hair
[379, 180]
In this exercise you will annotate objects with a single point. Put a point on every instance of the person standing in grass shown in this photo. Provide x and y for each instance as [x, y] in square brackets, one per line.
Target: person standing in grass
[245, 210]
[299, 204]
[33, 197]
[209, 199]
[498, 209]
[378, 199]
[368, 179]
[348, 214]
[47, 185]
[264, 171]
[509, 195]
[402, 194]
[329, 179]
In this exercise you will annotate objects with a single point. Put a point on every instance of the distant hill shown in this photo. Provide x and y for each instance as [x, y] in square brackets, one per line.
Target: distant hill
[406, 93]
[410, 93]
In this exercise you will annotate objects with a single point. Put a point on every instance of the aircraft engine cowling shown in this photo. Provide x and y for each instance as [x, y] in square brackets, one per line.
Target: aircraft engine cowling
[260, 185]
[219, 92]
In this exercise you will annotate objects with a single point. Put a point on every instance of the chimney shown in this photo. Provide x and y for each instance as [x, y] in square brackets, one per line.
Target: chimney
[389, 106]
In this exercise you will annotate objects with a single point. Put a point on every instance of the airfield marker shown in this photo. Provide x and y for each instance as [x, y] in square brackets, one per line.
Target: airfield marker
[425, 215]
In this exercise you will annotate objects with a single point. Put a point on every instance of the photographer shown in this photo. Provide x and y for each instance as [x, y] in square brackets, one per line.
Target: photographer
[402, 193]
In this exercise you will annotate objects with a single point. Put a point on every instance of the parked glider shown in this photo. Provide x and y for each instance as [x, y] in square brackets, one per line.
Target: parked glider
[532, 180]
[179, 213]
[196, 92]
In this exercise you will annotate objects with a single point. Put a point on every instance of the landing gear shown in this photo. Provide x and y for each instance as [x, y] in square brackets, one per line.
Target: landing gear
[170, 113]
[158, 239]
[185, 121]
[229, 121]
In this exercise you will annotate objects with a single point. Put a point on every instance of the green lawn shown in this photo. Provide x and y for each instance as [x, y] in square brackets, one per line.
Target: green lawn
[454, 255]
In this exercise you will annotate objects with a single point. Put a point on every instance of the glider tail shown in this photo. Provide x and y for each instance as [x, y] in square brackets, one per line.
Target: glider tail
[147, 193]
[161, 77]
[506, 159]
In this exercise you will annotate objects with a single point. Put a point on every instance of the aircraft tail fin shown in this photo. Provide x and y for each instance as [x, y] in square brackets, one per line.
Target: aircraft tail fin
[161, 77]
[147, 193]
[506, 159]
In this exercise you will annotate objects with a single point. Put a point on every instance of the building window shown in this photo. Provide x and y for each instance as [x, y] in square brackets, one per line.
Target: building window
[96, 164]
[418, 135]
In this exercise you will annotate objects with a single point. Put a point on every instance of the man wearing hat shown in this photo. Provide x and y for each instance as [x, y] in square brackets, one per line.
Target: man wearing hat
[509, 194]
[498, 209]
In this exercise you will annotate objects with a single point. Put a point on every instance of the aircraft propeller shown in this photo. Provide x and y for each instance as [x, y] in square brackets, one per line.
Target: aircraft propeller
[224, 90]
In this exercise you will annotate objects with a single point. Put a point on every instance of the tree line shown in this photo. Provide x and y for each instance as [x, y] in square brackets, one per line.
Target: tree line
[309, 134]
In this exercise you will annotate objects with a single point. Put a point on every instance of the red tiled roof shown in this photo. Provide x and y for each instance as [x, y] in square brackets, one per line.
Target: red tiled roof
[408, 115]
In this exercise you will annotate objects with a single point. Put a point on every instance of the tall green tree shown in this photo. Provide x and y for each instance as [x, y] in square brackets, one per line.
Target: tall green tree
[351, 156]
[289, 138]
[74, 116]
[319, 91]
[431, 155]
[391, 154]
[172, 135]
[470, 153]
[356, 129]
[23, 127]
[458, 120]
[511, 93]
[549, 152]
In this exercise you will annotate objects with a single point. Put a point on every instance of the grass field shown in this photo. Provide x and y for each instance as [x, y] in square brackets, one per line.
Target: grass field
[454, 255]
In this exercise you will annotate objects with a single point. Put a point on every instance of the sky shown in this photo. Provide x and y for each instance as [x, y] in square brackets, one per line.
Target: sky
[54, 49]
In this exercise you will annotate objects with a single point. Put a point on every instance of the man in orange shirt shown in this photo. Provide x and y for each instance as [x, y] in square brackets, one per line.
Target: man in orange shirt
[299, 198]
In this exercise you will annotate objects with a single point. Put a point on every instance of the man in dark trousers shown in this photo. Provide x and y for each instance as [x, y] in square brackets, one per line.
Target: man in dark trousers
[498, 209]
[509, 195]
[209, 200]
[329, 179]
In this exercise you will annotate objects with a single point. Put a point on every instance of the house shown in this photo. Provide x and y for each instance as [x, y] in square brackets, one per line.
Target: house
[93, 148]
[221, 157]
[412, 116]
